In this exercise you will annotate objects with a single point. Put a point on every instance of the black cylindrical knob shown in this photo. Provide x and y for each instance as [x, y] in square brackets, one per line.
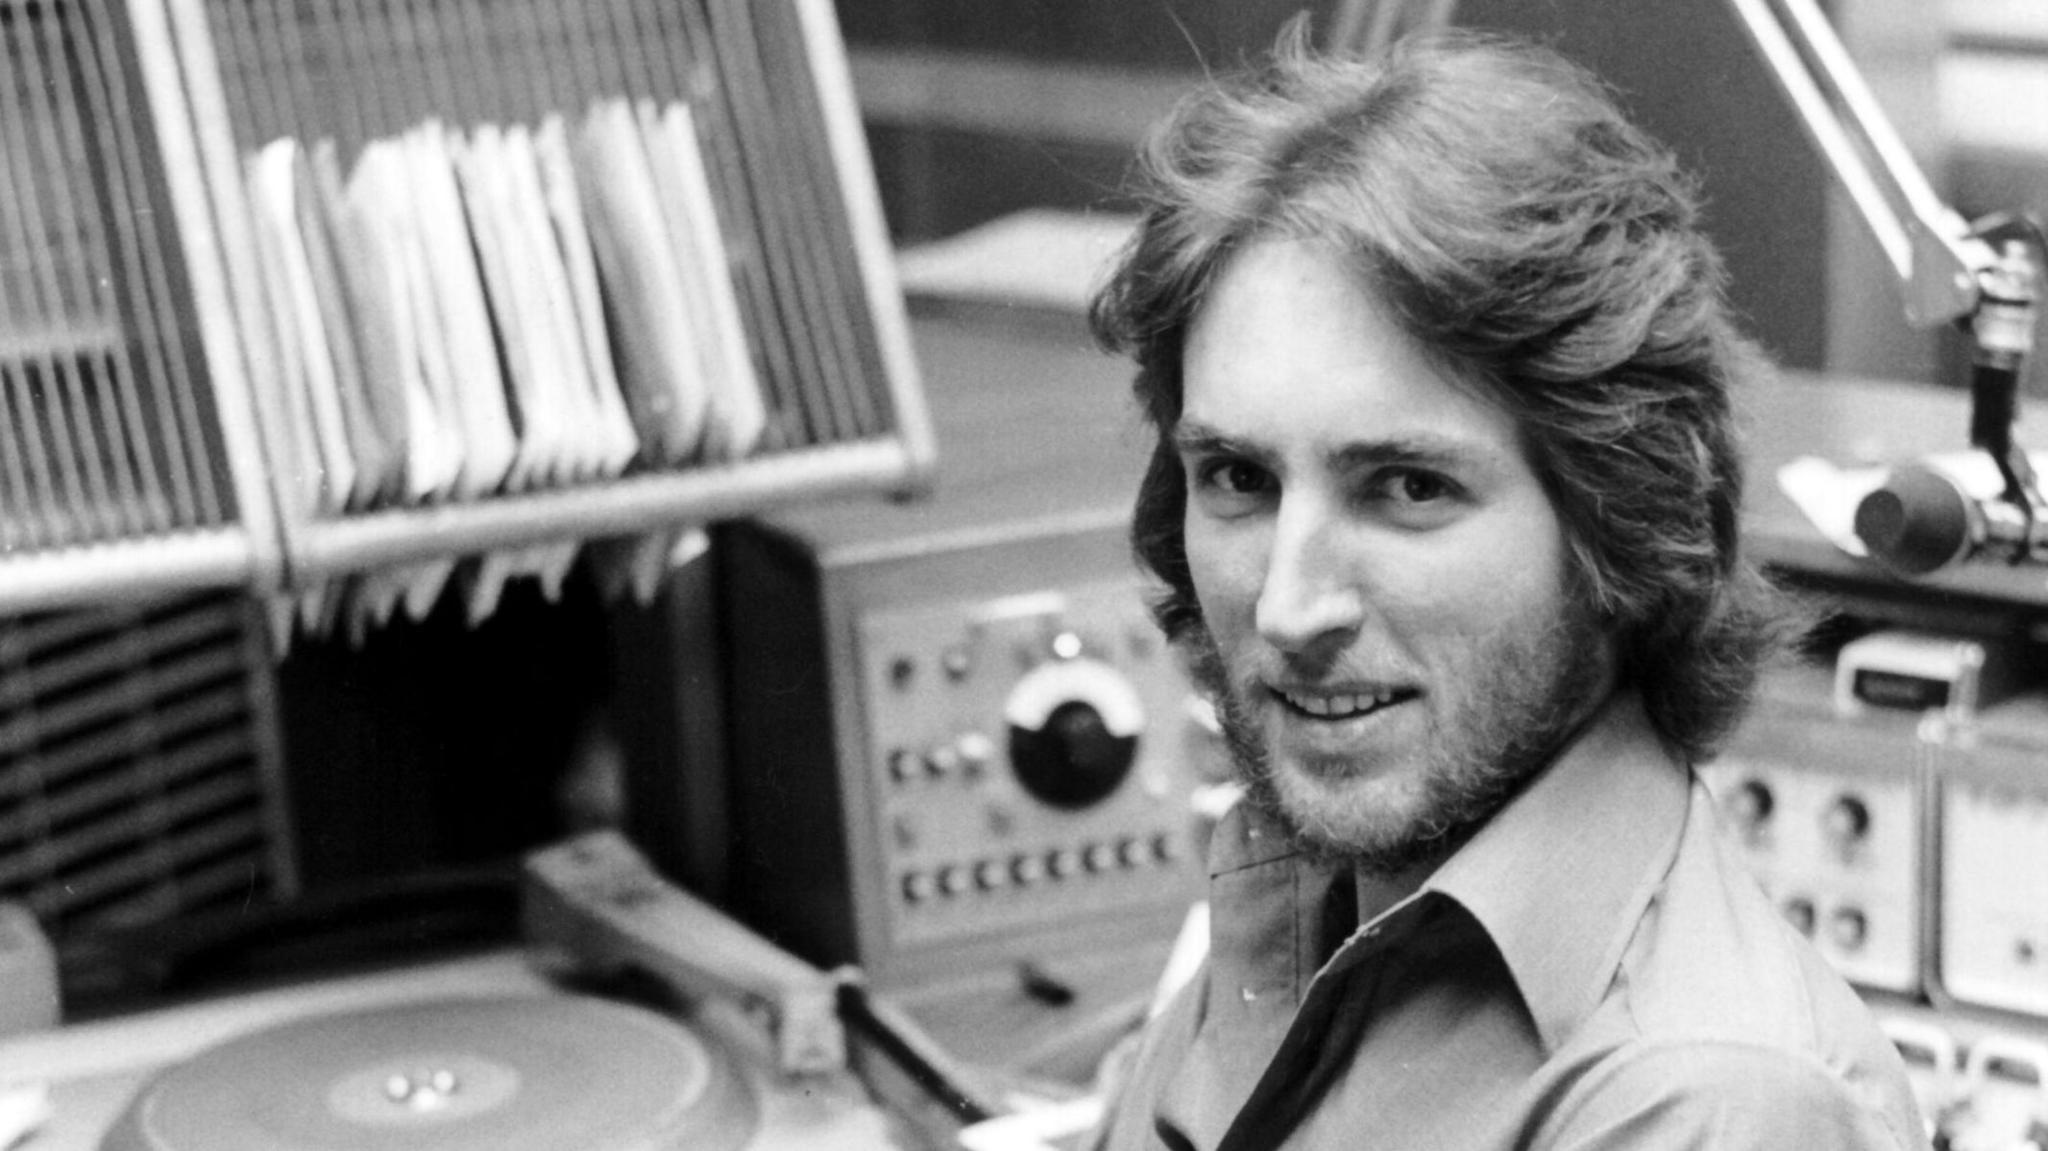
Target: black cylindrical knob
[1074, 759]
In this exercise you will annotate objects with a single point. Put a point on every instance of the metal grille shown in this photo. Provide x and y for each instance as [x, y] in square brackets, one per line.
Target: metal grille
[139, 768]
[106, 428]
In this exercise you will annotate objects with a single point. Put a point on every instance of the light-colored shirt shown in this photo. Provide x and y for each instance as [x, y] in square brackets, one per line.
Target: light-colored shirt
[1593, 969]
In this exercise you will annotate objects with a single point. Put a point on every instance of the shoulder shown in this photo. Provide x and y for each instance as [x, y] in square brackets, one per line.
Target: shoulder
[1713, 959]
[1723, 1094]
[1725, 1028]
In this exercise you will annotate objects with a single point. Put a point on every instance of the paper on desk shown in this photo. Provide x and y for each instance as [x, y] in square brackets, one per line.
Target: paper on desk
[24, 1107]
[1827, 494]
[1046, 1125]
[1039, 257]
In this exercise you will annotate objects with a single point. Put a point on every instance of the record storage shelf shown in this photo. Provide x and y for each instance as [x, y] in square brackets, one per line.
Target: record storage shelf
[145, 119]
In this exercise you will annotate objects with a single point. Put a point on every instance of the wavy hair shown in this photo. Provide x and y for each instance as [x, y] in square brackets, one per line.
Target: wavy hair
[1520, 227]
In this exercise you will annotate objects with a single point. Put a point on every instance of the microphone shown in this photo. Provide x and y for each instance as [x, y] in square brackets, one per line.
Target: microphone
[1921, 521]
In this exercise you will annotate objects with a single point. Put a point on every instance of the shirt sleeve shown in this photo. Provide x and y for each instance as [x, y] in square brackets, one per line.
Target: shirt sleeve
[1679, 1096]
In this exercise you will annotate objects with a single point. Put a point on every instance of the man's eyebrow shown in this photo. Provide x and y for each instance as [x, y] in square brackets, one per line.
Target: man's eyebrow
[1194, 438]
[1442, 452]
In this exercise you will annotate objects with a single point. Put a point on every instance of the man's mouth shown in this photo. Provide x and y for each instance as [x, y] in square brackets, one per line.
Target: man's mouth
[1342, 704]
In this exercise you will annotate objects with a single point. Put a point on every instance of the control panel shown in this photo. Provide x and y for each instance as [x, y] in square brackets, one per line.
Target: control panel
[1829, 813]
[1901, 821]
[965, 761]
[1014, 759]
[1993, 890]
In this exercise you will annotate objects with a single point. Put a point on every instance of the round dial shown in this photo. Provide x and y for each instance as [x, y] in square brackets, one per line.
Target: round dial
[1074, 728]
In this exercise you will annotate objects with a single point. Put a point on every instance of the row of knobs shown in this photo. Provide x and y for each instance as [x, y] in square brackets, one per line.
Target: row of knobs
[1847, 927]
[964, 757]
[1028, 869]
[1845, 824]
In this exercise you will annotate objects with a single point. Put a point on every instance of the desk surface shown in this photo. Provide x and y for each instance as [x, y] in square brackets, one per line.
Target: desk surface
[1857, 422]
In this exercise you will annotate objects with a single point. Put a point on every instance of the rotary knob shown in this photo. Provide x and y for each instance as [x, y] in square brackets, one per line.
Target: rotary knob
[1074, 727]
[1750, 806]
[1846, 826]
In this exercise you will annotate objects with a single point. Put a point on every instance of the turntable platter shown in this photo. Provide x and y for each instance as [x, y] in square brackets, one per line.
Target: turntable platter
[553, 1073]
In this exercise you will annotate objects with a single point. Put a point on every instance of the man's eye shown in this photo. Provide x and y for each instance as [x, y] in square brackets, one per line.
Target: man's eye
[1235, 477]
[1415, 496]
[1419, 487]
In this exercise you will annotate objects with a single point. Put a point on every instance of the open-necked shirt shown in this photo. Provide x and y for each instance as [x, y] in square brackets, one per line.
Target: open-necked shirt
[1594, 968]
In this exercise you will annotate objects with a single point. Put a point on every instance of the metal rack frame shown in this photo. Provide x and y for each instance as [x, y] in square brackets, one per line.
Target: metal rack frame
[278, 546]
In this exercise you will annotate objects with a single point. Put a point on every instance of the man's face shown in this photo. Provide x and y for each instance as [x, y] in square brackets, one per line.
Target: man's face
[1389, 629]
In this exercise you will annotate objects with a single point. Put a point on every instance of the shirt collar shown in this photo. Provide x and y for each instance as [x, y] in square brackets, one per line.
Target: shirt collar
[1560, 877]
[1248, 836]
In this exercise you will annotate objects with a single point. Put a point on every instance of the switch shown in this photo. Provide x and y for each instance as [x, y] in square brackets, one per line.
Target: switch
[958, 662]
[989, 875]
[975, 751]
[1749, 806]
[1799, 911]
[1848, 928]
[1099, 857]
[1846, 825]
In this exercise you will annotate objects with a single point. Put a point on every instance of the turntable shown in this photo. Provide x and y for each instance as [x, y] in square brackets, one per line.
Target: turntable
[493, 1051]
[472, 1053]
[458, 1074]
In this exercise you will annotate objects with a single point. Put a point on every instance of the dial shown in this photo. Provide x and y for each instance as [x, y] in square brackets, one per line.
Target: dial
[1074, 730]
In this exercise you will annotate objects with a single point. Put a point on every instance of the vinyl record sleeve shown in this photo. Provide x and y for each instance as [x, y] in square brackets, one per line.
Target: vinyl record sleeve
[566, 375]
[476, 379]
[507, 292]
[664, 388]
[379, 467]
[277, 172]
[307, 470]
[565, 213]
[389, 270]
[739, 414]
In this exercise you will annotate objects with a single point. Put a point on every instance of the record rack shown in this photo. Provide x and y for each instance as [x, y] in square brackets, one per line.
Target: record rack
[299, 294]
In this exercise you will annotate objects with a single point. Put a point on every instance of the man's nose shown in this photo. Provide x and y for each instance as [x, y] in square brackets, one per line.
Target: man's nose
[1311, 602]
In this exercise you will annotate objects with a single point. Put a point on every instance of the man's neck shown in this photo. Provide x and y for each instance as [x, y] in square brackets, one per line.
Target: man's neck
[1378, 891]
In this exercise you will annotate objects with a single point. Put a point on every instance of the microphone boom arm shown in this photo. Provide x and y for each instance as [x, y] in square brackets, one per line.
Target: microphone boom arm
[1948, 270]
[1937, 261]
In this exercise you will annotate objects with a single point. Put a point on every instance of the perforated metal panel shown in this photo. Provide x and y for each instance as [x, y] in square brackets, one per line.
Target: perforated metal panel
[139, 767]
[105, 431]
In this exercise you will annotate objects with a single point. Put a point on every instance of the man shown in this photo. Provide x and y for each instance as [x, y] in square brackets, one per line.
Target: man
[1445, 495]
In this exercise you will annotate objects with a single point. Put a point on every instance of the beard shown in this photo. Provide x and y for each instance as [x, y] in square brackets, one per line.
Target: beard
[1528, 694]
